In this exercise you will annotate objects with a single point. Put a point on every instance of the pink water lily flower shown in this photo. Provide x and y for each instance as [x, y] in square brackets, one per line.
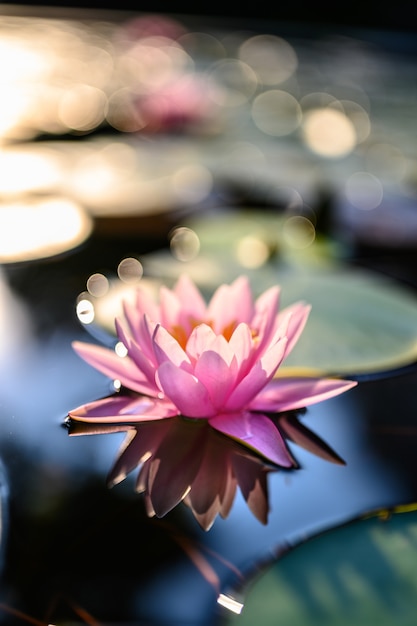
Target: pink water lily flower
[212, 361]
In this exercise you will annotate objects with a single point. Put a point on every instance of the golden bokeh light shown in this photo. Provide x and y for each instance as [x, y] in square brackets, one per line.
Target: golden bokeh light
[252, 251]
[328, 132]
[82, 107]
[34, 228]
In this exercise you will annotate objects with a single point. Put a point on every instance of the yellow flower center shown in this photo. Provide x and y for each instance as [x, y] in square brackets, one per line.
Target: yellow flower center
[181, 335]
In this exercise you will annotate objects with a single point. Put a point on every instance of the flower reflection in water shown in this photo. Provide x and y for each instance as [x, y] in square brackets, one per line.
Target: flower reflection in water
[200, 380]
[184, 460]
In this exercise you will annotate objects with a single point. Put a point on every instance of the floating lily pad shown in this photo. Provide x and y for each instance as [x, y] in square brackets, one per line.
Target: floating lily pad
[363, 573]
[361, 323]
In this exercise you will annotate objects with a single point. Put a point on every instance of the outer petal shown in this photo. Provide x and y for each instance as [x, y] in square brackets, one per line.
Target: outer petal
[286, 394]
[297, 315]
[115, 367]
[187, 393]
[133, 312]
[265, 319]
[123, 409]
[257, 432]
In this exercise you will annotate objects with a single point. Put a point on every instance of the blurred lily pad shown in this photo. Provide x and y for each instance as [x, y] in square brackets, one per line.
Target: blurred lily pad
[361, 323]
[362, 573]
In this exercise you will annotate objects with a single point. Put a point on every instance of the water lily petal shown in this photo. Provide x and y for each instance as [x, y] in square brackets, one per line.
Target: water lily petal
[265, 319]
[115, 367]
[216, 375]
[193, 303]
[257, 378]
[166, 348]
[123, 409]
[185, 390]
[297, 315]
[143, 364]
[286, 394]
[257, 432]
[231, 304]
[133, 313]
[201, 338]
[241, 344]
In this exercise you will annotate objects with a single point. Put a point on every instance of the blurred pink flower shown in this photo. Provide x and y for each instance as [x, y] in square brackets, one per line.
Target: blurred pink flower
[212, 365]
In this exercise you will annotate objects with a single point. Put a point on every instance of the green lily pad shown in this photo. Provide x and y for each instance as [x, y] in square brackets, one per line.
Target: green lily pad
[362, 573]
[361, 323]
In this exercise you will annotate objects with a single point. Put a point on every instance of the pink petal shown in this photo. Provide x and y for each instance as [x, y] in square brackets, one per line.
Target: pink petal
[123, 409]
[115, 367]
[145, 305]
[216, 375]
[145, 333]
[143, 364]
[185, 391]
[166, 348]
[257, 432]
[265, 318]
[231, 304]
[241, 344]
[285, 394]
[201, 338]
[170, 306]
[192, 301]
[297, 315]
[258, 376]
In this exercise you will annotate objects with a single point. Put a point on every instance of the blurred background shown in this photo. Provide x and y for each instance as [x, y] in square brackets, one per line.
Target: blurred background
[140, 140]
